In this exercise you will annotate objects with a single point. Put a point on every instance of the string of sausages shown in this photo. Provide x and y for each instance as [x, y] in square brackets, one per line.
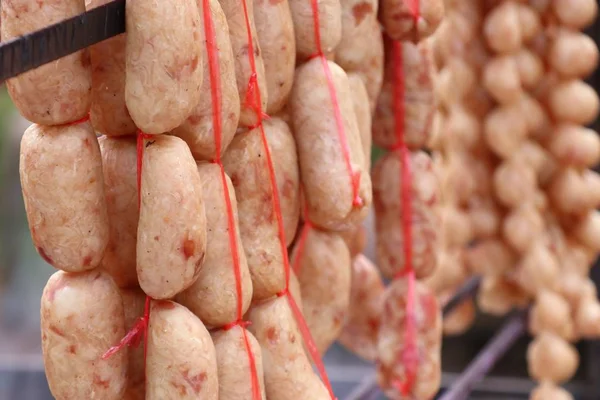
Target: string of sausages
[253, 100]
[215, 77]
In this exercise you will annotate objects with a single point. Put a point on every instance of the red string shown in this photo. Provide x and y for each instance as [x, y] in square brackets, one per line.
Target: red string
[140, 328]
[357, 201]
[413, 6]
[310, 343]
[408, 356]
[86, 118]
[253, 100]
[216, 95]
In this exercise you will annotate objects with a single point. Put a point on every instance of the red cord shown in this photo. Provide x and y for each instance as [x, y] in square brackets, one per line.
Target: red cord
[354, 176]
[408, 356]
[86, 118]
[216, 96]
[253, 100]
[140, 328]
[413, 6]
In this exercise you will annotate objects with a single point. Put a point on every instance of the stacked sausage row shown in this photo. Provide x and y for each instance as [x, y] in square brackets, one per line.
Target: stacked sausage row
[527, 110]
[460, 159]
[406, 193]
[173, 227]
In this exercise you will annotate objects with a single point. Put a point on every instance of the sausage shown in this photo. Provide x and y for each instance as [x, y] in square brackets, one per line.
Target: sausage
[490, 257]
[461, 129]
[415, 62]
[361, 328]
[403, 23]
[181, 362]
[109, 114]
[288, 372]
[81, 317]
[515, 183]
[345, 199]
[322, 264]
[294, 290]
[459, 180]
[198, 130]
[485, 216]
[63, 190]
[360, 100]
[573, 54]
[530, 20]
[575, 14]
[355, 239]
[133, 306]
[575, 288]
[537, 120]
[250, 78]
[575, 145]
[213, 297]
[456, 80]
[522, 226]
[551, 313]
[450, 272]
[235, 378]
[277, 42]
[502, 80]
[502, 28]
[119, 161]
[572, 191]
[330, 27]
[530, 67]
[460, 319]
[587, 230]
[55, 93]
[163, 63]
[587, 318]
[536, 157]
[387, 176]
[551, 358]
[549, 391]
[457, 229]
[361, 47]
[505, 130]
[538, 269]
[171, 242]
[245, 162]
[499, 294]
[392, 342]
[573, 101]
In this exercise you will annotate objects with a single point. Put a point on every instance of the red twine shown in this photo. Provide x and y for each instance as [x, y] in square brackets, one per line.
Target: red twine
[408, 356]
[140, 328]
[86, 118]
[216, 96]
[354, 176]
[253, 100]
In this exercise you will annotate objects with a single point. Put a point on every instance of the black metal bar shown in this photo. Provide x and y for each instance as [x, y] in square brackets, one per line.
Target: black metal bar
[368, 389]
[33, 50]
[487, 358]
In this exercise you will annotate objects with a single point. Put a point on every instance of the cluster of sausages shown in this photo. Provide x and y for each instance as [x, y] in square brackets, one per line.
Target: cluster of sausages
[514, 109]
[201, 183]
[406, 194]
[460, 162]
[169, 171]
